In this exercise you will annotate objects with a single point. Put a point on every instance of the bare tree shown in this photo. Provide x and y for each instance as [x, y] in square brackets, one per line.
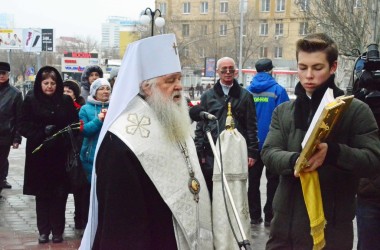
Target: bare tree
[77, 44]
[346, 21]
[204, 39]
[251, 39]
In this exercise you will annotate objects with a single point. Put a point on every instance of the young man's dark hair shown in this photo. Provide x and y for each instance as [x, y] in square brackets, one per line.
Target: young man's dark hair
[318, 42]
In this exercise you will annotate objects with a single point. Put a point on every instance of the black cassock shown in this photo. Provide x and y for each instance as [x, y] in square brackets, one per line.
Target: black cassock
[131, 212]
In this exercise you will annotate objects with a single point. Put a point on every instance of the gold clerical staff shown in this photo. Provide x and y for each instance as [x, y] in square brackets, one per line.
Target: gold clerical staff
[230, 124]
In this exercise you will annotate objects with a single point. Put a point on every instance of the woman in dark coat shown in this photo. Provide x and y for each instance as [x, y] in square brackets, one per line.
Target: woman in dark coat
[72, 89]
[46, 110]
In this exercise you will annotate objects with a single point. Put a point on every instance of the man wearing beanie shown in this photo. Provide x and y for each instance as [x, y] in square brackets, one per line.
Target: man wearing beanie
[10, 110]
[267, 94]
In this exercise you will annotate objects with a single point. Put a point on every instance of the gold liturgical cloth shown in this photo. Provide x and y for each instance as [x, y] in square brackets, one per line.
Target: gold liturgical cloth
[310, 181]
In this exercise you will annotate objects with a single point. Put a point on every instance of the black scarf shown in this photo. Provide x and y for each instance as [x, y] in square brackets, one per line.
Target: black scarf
[305, 107]
[234, 90]
[4, 85]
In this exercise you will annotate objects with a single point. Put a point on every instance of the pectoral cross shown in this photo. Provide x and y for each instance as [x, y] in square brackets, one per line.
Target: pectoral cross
[175, 48]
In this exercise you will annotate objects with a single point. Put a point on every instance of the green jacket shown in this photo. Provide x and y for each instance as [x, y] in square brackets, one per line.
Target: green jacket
[354, 152]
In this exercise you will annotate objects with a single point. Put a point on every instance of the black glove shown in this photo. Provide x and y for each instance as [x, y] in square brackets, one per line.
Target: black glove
[49, 130]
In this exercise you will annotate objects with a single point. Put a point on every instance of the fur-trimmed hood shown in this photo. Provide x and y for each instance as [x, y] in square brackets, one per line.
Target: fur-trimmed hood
[86, 74]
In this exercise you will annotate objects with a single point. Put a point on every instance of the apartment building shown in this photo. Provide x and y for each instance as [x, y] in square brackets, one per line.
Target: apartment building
[211, 28]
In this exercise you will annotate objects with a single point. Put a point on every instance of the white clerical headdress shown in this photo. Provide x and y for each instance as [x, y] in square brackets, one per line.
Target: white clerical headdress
[157, 56]
[144, 59]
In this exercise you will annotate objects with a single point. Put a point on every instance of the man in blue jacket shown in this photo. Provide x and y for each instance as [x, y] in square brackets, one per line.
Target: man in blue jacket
[267, 94]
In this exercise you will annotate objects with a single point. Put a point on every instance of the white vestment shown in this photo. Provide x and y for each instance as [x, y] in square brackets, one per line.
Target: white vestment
[165, 165]
[235, 168]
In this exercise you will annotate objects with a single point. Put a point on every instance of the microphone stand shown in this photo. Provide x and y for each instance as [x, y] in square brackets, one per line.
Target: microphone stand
[245, 243]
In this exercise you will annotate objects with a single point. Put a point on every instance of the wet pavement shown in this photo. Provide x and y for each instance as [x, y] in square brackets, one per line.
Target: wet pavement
[18, 224]
[18, 229]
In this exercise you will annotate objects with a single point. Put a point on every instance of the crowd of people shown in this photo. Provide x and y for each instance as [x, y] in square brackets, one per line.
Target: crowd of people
[149, 178]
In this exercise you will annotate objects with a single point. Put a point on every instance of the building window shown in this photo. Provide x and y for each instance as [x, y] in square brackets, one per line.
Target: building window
[186, 52]
[263, 52]
[186, 8]
[162, 8]
[203, 29]
[185, 30]
[279, 30]
[265, 5]
[280, 5]
[264, 28]
[223, 30]
[278, 52]
[358, 4]
[204, 7]
[303, 28]
[304, 5]
[223, 7]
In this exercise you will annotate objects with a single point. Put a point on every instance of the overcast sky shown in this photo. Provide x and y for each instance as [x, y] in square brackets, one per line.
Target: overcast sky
[71, 17]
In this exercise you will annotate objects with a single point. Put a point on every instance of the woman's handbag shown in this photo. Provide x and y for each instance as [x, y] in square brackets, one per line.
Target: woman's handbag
[74, 169]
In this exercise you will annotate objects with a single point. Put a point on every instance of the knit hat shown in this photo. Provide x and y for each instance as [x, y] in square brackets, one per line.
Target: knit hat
[4, 66]
[74, 86]
[97, 84]
[264, 65]
[114, 73]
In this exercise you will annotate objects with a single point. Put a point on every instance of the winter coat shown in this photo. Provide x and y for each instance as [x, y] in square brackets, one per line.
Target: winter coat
[353, 152]
[45, 173]
[267, 94]
[369, 190]
[10, 111]
[85, 85]
[243, 110]
[91, 130]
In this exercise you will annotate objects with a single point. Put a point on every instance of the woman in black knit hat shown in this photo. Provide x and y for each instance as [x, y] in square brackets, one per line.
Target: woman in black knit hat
[72, 89]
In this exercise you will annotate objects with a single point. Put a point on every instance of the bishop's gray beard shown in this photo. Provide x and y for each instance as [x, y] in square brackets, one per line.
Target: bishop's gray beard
[174, 117]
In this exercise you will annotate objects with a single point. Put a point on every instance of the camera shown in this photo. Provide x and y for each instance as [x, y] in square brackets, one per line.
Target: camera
[366, 80]
[366, 77]
[371, 58]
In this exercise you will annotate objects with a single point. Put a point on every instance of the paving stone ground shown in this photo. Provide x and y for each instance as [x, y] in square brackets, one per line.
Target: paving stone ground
[18, 229]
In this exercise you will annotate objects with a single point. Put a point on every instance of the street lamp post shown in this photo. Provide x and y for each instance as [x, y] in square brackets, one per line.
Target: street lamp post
[145, 19]
[241, 42]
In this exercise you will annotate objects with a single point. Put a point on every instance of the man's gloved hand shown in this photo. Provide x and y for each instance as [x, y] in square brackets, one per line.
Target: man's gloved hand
[49, 130]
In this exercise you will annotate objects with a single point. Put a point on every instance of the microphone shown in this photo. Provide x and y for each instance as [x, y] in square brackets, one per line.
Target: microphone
[197, 113]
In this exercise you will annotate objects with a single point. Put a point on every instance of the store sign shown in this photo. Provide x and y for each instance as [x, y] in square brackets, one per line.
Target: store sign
[74, 68]
[76, 62]
[70, 61]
